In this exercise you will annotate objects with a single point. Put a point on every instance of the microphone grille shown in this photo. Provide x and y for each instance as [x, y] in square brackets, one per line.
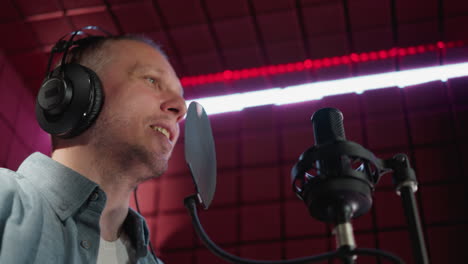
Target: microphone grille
[328, 126]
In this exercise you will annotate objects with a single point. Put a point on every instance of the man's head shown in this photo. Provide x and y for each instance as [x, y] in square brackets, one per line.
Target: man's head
[138, 124]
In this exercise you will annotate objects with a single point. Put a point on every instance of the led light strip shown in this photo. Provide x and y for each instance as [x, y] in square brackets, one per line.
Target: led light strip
[317, 90]
[233, 75]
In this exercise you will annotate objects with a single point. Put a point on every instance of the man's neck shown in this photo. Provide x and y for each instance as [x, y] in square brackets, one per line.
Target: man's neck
[116, 187]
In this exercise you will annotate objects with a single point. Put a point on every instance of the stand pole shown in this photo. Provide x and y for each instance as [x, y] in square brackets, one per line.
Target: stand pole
[415, 229]
[406, 184]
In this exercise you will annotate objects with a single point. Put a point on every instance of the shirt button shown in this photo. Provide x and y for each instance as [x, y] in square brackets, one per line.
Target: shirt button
[94, 196]
[63, 207]
[85, 244]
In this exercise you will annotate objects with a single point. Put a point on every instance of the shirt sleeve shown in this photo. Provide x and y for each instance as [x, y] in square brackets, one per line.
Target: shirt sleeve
[8, 192]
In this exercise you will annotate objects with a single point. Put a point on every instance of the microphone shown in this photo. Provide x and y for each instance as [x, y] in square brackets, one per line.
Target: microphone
[335, 177]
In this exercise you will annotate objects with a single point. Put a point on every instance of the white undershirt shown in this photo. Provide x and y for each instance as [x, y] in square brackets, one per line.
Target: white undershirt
[114, 252]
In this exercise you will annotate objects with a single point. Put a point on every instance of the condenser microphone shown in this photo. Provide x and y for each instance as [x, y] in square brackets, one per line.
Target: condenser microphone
[328, 126]
[335, 177]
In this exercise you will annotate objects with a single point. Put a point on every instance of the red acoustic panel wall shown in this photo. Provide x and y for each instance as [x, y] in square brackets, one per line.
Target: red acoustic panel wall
[256, 214]
[20, 135]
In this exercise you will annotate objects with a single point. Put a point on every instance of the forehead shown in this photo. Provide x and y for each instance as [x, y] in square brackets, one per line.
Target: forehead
[133, 51]
[137, 57]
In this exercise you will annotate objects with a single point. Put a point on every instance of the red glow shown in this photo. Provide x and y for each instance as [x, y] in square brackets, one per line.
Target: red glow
[373, 55]
[336, 61]
[451, 45]
[383, 54]
[440, 45]
[272, 69]
[245, 73]
[290, 67]
[393, 52]
[299, 66]
[229, 75]
[236, 75]
[345, 59]
[411, 50]
[317, 64]
[326, 62]
[210, 78]
[421, 49]
[255, 72]
[281, 68]
[364, 57]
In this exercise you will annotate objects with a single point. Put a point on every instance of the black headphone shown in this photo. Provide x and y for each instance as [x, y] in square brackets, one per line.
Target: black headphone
[71, 96]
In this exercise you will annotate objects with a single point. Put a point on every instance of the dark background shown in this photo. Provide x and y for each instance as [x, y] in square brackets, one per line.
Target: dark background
[255, 214]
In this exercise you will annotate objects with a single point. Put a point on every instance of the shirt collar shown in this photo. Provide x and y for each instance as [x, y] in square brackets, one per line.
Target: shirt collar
[137, 230]
[65, 189]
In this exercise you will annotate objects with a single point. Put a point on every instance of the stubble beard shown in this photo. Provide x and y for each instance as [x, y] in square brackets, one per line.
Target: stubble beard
[127, 161]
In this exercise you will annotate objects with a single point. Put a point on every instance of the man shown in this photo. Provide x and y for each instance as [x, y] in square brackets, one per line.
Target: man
[74, 207]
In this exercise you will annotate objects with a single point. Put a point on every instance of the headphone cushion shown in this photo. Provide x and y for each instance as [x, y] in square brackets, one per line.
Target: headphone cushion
[95, 104]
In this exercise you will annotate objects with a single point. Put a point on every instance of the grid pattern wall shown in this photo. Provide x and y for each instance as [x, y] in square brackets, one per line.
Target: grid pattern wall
[20, 134]
[255, 213]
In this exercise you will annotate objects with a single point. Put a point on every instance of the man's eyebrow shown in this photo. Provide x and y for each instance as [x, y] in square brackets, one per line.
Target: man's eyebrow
[138, 67]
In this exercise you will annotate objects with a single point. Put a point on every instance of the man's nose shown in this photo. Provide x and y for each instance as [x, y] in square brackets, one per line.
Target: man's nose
[175, 105]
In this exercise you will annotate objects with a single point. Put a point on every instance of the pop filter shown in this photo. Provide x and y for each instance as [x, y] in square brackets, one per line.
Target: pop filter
[200, 153]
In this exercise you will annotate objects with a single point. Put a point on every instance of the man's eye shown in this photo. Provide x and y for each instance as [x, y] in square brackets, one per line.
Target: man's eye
[151, 80]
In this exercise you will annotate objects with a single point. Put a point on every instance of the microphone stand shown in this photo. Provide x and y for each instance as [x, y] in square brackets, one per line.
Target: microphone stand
[406, 185]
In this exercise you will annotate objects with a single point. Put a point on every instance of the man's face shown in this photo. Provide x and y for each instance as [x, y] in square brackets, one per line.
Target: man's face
[138, 125]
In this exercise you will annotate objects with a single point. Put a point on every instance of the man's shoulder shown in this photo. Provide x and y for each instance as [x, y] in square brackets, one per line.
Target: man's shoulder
[8, 180]
[10, 190]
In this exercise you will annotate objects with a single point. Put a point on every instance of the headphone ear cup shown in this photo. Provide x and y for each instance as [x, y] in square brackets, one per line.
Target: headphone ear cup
[95, 104]
[84, 90]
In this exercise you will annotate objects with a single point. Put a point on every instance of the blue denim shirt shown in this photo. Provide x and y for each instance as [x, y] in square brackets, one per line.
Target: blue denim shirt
[50, 214]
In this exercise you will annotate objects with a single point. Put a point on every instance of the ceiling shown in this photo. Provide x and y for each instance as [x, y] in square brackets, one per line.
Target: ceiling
[207, 36]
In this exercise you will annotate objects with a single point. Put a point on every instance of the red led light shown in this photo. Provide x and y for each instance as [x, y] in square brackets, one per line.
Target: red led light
[317, 63]
[290, 67]
[450, 45]
[202, 79]
[440, 45]
[210, 78]
[364, 57]
[402, 52]
[345, 59]
[229, 75]
[383, 54]
[421, 49]
[236, 75]
[245, 74]
[299, 66]
[281, 68]
[272, 70]
[336, 60]
[220, 77]
[254, 72]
